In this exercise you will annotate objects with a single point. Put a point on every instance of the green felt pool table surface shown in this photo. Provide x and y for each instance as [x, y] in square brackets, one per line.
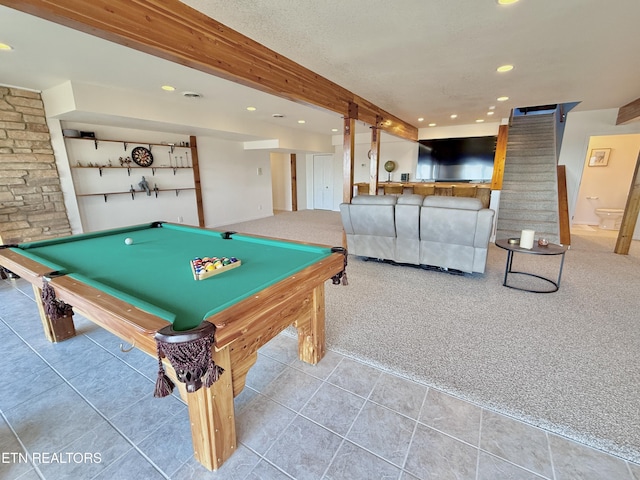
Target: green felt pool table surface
[154, 272]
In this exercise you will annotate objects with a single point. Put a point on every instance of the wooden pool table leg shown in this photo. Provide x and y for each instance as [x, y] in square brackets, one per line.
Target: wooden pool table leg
[57, 330]
[213, 424]
[311, 338]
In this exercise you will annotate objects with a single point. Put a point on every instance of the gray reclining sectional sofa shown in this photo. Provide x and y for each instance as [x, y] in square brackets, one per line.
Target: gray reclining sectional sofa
[446, 232]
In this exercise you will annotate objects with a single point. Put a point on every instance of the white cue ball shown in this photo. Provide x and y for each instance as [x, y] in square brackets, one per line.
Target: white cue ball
[128, 240]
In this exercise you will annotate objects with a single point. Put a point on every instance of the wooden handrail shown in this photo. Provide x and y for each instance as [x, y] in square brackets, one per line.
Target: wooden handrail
[499, 158]
[630, 217]
[563, 206]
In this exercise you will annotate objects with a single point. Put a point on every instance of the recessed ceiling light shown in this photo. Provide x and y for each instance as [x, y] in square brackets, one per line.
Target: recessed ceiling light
[504, 68]
[252, 109]
[301, 121]
[454, 116]
[492, 107]
[506, 2]
[5, 46]
[191, 94]
[480, 120]
[334, 129]
[168, 88]
[277, 115]
[421, 119]
[490, 112]
[432, 124]
[502, 99]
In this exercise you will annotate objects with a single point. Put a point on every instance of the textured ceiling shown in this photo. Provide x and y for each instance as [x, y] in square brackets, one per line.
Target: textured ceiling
[431, 59]
[413, 58]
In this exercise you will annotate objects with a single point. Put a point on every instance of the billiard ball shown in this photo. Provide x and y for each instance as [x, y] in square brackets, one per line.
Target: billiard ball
[128, 240]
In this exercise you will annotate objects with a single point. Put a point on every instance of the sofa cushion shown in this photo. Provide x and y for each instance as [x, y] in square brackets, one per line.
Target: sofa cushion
[374, 200]
[450, 222]
[460, 203]
[369, 220]
[411, 199]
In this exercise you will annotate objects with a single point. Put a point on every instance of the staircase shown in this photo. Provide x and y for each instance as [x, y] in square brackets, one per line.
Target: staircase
[529, 197]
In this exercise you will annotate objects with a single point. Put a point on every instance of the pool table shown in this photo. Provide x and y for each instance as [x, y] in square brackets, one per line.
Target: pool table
[134, 290]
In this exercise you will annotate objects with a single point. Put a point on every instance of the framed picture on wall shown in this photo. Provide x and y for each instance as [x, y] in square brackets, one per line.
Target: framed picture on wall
[599, 157]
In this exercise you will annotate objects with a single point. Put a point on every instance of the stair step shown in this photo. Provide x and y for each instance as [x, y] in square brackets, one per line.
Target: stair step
[528, 202]
[530, 215]
[529, 125]
[527, 223]
[530, 157]
[526, 205]
[528, 190]
[533, 119]
[540, 197]
[530, 168]
[527, 177]
[531, 152]
[552, 237]
[525, 133]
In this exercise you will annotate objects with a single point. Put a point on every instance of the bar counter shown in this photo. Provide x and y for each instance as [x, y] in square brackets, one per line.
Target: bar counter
[449, 189]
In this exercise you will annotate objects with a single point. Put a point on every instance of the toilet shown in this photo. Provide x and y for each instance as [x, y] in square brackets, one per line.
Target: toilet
[610, 218]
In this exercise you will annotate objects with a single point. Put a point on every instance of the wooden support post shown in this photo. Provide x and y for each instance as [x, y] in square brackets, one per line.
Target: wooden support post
[196, 179]
[55, 331]
[213, 424]
[348, 145]
[563, 206]
[630, 217]
[499, 157]
[374, 155]
[294, 183]
[311, 336]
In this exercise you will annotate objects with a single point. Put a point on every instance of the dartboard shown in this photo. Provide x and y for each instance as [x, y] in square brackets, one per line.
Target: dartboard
[142, 156]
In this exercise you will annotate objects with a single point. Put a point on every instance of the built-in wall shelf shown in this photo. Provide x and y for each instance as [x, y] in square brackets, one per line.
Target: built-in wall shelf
[133, 192]
[98, 167]
[153, 169]
[126, 143]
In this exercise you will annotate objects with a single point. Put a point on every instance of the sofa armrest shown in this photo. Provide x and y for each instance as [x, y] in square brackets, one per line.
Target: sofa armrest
[345, 215]
[484, 227]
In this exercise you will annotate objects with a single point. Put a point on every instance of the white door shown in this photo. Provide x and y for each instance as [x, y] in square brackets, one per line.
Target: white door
[323, 182]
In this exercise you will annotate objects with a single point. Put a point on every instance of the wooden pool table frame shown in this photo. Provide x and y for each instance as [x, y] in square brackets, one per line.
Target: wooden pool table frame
[241, 330]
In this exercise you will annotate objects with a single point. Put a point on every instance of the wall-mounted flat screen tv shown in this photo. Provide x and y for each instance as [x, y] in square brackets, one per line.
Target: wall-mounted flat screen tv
[468, 159]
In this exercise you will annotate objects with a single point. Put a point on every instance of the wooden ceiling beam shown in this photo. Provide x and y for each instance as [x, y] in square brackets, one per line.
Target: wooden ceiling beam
[176, 32]
[629, 112]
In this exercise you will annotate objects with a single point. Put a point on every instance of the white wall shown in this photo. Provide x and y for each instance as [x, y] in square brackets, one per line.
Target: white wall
[281, 181]
[403, 152]
[232, 189]
[581, 126]
[91, 213]
[606, 187]
[483, 129]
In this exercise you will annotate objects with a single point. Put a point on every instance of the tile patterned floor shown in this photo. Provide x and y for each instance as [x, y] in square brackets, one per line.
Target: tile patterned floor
[82, 409]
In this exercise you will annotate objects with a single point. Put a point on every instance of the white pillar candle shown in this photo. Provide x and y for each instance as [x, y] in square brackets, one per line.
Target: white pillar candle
[526, 238]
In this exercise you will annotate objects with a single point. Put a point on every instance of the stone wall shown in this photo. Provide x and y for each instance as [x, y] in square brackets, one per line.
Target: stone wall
[31, 202]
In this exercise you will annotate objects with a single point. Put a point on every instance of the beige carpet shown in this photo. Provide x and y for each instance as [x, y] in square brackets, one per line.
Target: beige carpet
[566, 361]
